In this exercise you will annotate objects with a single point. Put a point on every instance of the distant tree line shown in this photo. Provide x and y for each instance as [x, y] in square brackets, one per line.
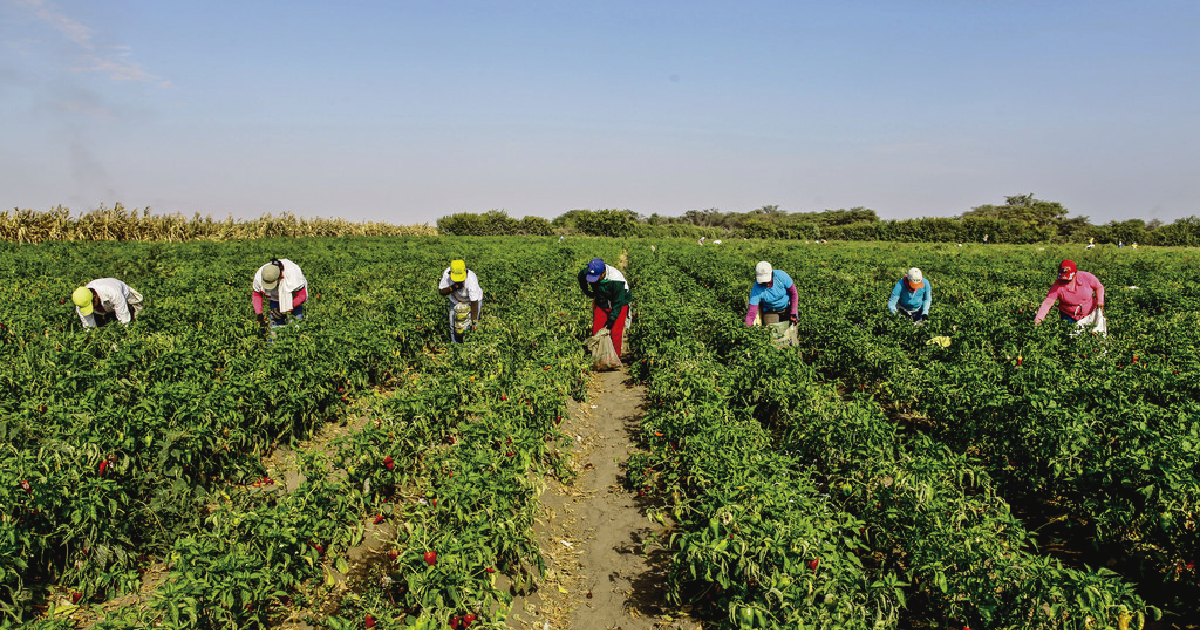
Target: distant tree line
[1020, 219]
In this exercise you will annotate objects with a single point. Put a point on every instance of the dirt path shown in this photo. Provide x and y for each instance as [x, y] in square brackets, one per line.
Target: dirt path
[601, 574]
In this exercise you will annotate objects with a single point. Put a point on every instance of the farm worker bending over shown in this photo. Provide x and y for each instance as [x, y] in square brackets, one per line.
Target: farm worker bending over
[461, 286]
[912, 296]
[282, 283]
[101, 300]
[609, 290]
[772, 293]
[1074, 291]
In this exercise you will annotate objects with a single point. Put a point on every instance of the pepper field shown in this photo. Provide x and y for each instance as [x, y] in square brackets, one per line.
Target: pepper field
[1015, 477]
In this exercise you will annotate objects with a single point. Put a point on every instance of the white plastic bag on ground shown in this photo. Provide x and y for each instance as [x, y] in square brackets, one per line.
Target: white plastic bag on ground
[604, 355]
[784, 334]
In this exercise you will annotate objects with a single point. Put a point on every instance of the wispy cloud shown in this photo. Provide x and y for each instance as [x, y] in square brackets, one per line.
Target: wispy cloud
[114, 61]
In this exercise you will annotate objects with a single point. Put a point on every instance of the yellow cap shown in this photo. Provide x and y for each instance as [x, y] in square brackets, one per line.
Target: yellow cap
[82, 297]
[458, 270]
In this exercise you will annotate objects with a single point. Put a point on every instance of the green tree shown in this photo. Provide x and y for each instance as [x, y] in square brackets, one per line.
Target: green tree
[1042, 217]
[607, 223]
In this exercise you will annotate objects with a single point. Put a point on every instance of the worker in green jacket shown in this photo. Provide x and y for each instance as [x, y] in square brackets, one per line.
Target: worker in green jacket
[609, 290]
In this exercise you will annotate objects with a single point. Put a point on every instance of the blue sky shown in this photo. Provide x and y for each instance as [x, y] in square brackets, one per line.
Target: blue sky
[405, 111]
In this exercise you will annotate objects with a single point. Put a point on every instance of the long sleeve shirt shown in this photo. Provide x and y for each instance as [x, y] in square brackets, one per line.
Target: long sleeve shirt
[1075, 297]
[470, 291]
[289, 283]
[779, 294]
[911, 301]
[114, 298]
[610, 292]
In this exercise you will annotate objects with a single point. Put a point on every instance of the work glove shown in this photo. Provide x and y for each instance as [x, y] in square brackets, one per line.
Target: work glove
[793, 317]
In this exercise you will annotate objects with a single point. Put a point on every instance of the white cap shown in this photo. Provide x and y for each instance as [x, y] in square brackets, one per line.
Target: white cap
[762, 272]
[914, 275]
[270, 275]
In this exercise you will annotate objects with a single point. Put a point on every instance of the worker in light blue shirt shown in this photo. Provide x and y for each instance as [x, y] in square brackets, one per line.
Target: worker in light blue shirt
[912, 296]
[772, 295]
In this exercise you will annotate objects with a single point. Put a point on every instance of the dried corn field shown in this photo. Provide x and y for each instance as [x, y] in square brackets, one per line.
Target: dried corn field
[119, 224]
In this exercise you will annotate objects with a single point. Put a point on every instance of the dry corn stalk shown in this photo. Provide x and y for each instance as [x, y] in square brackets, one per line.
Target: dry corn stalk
[119, 224]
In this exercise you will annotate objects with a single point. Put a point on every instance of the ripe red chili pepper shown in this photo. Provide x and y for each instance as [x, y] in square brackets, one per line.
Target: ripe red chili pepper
[103, 466]
[369, 621]
[378, 518]
[431, 558]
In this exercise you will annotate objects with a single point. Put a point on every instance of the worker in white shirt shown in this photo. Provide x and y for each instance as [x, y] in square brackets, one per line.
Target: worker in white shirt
[283, 286]
[102, 300]
[461, 287]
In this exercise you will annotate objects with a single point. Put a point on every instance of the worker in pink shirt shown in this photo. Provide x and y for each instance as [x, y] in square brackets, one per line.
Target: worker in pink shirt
[1079, 294]
[282, 287]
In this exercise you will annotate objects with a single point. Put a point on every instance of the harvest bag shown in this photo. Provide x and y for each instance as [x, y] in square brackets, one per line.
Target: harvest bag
[1094, 320]
[604, 355]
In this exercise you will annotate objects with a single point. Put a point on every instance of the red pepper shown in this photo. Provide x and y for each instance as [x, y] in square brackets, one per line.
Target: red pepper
[103, 466]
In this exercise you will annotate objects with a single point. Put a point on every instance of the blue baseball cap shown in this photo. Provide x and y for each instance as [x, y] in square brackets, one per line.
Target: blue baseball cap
[595, 269]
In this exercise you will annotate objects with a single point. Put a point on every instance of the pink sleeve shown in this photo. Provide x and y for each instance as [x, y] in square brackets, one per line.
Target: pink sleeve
[794, 298]
[256, 300]
[751, 314]
[1051, 297]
